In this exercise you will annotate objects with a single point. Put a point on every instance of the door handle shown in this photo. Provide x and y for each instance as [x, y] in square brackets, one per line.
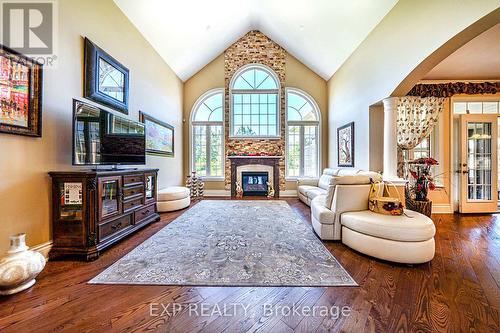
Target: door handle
[465, 171]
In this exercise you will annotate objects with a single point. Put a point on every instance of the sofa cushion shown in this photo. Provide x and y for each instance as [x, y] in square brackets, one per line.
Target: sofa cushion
[347, 172]
[325, 181]
[173, 193]
[304, 188]
[344, 180]
[331, 171]
[314, 192]
[320, 212]
[412, 228]
[375, 176]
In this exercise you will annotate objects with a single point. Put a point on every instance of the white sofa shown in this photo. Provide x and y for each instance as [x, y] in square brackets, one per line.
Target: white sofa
[340, 212]
[309, 188]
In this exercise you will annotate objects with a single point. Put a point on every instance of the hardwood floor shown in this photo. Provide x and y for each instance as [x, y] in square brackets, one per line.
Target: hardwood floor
[457, 292]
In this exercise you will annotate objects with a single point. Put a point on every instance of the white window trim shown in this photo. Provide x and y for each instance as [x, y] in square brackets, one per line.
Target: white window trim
[192, 123]
[310, 99]
[278, 111]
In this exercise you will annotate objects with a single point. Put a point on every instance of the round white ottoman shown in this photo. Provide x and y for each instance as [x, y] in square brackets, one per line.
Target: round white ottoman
[407, 239]
[173, 198]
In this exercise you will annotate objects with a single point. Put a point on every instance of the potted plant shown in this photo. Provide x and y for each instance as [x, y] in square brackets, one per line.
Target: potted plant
[419, 185]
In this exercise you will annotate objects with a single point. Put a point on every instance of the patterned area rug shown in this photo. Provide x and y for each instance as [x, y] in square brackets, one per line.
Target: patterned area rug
[231, 243]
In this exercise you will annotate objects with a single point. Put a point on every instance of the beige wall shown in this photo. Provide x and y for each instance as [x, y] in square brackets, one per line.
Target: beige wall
[24, 162]
[407, 35]
[297, 75]
[376, 117]
[209, 77]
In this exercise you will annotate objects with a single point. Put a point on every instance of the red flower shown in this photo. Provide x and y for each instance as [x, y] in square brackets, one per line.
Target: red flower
[432, 186]
[413, 174]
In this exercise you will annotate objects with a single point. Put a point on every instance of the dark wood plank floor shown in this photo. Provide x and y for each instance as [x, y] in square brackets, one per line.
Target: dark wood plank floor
[457, 292]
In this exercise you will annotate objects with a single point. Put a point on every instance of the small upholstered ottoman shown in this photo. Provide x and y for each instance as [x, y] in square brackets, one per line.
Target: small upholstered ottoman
[173, 198]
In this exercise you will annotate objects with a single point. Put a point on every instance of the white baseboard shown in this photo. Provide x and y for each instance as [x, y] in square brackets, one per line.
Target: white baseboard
[216, 193]
[442, 209]
[43, 248]
[288, 193]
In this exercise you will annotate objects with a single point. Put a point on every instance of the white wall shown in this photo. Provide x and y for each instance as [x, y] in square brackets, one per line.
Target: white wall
[409, 34]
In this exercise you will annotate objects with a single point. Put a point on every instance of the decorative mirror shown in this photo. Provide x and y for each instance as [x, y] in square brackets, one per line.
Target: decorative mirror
[106, 80]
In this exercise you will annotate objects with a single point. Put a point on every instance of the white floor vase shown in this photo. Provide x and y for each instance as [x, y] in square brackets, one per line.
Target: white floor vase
[20, 267]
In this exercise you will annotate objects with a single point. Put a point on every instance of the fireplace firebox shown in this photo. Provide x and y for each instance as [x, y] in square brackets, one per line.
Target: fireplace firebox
[254, 183]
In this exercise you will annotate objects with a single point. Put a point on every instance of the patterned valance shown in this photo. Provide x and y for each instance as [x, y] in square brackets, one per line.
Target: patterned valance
[453, 88]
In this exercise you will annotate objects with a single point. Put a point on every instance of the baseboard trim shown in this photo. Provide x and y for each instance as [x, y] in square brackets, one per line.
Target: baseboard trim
[442, 209]
[288, 193]
[43, 248]
[216, 193]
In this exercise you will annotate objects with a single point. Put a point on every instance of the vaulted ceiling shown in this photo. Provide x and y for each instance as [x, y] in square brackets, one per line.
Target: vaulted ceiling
[188, 34]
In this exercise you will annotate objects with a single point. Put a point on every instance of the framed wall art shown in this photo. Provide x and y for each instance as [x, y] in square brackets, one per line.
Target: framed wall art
[345, 142]
[159, 136]
[20, 94]
[106, 80]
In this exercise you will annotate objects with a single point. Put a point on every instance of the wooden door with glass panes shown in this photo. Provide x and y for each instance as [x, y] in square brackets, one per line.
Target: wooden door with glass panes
[478, 163]
[110, 197]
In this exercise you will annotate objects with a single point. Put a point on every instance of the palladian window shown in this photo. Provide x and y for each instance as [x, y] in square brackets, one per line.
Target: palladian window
[255, 103]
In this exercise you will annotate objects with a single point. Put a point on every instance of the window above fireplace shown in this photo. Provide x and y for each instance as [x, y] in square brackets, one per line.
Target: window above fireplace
[254, 103]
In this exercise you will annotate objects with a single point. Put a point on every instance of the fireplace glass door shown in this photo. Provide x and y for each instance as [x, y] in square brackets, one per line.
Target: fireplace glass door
[254, 183]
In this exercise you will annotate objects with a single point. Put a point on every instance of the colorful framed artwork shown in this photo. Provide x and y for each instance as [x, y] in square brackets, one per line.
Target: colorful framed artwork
[106, 80]
[20, 94]
[345, 142]
[159, 136]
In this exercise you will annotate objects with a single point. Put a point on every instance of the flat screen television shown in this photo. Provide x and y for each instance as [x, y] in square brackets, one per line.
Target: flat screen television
[103, 138]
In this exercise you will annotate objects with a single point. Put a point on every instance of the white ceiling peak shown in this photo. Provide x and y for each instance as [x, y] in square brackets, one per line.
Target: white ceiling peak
[188, 34]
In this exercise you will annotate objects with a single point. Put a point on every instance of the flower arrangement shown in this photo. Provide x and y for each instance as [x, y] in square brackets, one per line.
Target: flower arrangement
[422, 179]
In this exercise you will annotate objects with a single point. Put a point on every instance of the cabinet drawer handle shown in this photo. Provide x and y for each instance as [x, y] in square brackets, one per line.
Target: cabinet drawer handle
[145, 212]
[116, 226]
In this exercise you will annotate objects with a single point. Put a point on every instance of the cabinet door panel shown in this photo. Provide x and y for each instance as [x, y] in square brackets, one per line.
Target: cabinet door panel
[110, 197]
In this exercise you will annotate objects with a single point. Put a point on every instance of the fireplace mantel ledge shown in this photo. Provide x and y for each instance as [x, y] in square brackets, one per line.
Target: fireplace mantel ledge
[231, 157]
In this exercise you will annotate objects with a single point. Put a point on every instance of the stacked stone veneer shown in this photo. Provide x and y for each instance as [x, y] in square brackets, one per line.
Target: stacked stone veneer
[255, 48]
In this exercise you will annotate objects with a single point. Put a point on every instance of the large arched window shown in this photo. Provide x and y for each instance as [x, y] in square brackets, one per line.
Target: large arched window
[207, 135]
[302, 134]
[254, 96]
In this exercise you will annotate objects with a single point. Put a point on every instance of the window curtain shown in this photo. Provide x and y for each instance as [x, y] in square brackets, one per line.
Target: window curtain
[416, 117]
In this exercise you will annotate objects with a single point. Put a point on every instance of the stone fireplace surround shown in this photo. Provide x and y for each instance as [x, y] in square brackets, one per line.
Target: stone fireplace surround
[269, 164]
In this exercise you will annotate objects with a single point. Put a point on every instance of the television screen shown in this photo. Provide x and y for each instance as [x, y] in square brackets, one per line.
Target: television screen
[101, 137]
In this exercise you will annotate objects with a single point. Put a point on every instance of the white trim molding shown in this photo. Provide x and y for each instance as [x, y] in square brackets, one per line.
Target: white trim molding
[216, 193]
[442, 208]
[288, 194]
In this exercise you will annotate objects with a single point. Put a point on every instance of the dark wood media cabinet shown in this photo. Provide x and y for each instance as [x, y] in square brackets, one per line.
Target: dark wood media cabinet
[92, 210]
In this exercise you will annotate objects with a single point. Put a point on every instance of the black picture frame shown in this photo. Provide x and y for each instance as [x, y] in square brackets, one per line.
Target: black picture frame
[93, 55]
[35, 86]
[145, 118]
[349, 145]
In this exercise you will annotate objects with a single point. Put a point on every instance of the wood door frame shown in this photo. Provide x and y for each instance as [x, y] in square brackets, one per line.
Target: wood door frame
[486, 206]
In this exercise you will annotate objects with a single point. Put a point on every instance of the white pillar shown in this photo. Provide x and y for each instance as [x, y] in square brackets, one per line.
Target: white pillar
[390, 139]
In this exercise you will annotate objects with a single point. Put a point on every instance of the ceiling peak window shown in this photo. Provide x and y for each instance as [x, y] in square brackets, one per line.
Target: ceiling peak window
[207, 135]
[254, 95]
[302, 135]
